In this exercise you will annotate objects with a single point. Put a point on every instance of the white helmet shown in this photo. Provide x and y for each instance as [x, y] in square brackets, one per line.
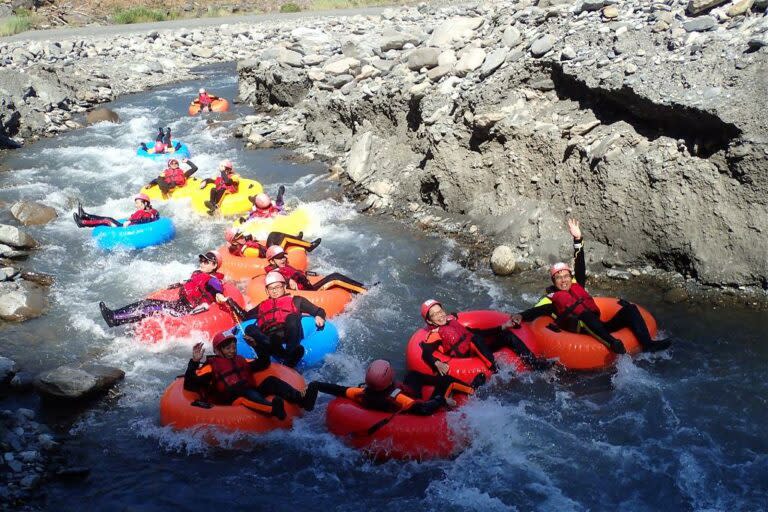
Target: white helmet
[201, 91]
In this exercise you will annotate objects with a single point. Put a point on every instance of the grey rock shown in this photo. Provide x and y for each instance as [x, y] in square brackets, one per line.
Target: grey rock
[341, 66]
[71, 383]
[454, 29]
[393, 40]
[11, 235]
[31, 213]
[699, 6]
[423, 58]
[591, 5]
[503, 260]
[202, 52]
[339, 81]
[542, 45]
[8, 369]
[447, 58]
[469, 60]
[435, 74]
[494, 60]
[101, 115]
[511, 37]
[21, 301]
[568, 53]
[700, 24]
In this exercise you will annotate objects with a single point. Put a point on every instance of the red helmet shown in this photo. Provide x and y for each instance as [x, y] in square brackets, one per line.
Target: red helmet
[274, 251]
[428, 304]
[222, 338]
[379, 375]
[142, 197]
[262, 201]
[559, 267]
[274, 277]
[173, 161]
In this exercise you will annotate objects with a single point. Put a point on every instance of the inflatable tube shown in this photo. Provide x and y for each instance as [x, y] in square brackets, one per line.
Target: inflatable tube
[190, 187]
[291, 223]
[177, 411]
[218, 105]
[332, 300]
[466, 368]
[241, 268]
[316, 343]
[182, 152]
[231, 204]
[582, 351]
[135, 236]
[405, 437]
[210, 322]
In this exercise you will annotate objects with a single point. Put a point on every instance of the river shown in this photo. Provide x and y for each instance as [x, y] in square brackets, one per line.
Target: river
[679, 430]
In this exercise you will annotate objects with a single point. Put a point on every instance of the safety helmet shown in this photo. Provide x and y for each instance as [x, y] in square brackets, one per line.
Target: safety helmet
[222, 338]
[173, 161]
[559, 267]
[379, 375]
[142, 197]
[273, 251]
[230, 235]
[427, 306]
[201, 90]
[225, 164]
[262, 201]
[210, 256]
[274, 277]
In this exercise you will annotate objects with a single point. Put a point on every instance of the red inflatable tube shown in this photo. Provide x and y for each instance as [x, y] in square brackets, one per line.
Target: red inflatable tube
[466, 368]
[405, 437]
[216, 319]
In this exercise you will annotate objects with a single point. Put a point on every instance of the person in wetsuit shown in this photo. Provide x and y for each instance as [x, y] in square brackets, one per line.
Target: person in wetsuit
[277, 330]
[264, 207]
[227, 379]
[241, 244]
[144, 213]
[226, 183]
[382, 393]
[174, 176]
[575, 310]
[203, 288]
[448, 336]
[298, 280]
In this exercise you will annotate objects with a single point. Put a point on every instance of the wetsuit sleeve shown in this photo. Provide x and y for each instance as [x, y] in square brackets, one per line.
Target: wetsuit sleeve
[579, 266]
[537, 311]
[425, 407]
[192, 169]
[332, 389]
[307, 307]
[208, 181]
[259, 364]
[428, 353]
[197, 377]
[214, 286]
[302, 280]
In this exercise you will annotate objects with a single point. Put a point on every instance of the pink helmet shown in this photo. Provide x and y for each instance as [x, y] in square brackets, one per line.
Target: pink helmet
[231, 234]
[225, 164]
[274, 277]
[222, 338]
[379, 375]
[173, 161]
[428, 304]
[142, 197]
[559, 267]
[274, 251]
[262, 201]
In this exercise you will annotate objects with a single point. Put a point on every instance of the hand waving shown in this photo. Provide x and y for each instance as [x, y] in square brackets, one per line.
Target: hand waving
[573, 227]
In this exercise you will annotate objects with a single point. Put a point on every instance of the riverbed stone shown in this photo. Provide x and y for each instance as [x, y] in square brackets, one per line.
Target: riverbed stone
[8, 369]
[341, 66]
[542, 45]
[698, 6]
[460, 27]
[394, 40]
[470, 60]
[700, 24]
[32, 213]
[21, 300]
[493, 61]
[101, 115]
[423, 58]
[76, 383]
[511, 37]
[202, 52]
[13, 236]
[503, 260]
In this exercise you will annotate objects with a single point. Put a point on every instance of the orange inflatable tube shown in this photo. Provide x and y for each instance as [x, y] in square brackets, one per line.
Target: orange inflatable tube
[582, 351]
[177, 411]
[332, 300]
[218, 105]
[241, 268]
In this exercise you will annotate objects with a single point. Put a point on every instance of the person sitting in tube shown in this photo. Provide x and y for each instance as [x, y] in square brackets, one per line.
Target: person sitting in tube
[574, 309]
[226, 183]
[174, 176]
[241, 244]
[144, 213]
[227, 379]
[205, 100]
[298, 280]
[161, 146]
[449, 337]
[264, 207]
[203, 288]
[382, 393]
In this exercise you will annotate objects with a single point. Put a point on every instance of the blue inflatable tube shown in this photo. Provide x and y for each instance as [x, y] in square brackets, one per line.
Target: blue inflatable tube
[316, 343]
[135, 236]
[182, 152]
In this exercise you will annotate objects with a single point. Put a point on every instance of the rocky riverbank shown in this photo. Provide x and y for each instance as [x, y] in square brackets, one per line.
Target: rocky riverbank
[645, 120]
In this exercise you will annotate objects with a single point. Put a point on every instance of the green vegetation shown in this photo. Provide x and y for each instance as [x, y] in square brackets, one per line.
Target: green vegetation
[322, 5]
[290, 7]
[15, 24]
[141, 15]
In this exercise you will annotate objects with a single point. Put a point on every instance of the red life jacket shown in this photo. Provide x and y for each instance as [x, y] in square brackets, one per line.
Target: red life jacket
[204, 99]
[264, 213]
[239, 249]
[229, 375]
[455, 339]
[572, 302]
[144, 216]
[175, 176]
[220, 184]
[195, 291]
[271, 313]
[289, 272]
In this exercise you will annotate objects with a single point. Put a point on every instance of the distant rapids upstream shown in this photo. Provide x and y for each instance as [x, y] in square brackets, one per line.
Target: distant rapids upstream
[681, 430]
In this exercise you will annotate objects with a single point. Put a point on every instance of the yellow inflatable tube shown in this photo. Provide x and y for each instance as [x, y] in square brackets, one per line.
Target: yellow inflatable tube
[232, 204]
[291, 223]
[191, 187]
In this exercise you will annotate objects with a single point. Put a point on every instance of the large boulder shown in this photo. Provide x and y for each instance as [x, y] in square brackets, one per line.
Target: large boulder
[101, 115]
[31, 213]
[21, 300]
[454, 29]
[423, 58]
[7, 370]
[11, 235]
[393, 40]
[503, 260]
[69, 383]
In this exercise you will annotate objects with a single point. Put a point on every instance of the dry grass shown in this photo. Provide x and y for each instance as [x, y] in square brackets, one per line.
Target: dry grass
[321, 5]
[14, 24]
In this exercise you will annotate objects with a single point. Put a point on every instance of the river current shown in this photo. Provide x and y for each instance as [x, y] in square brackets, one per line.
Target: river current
[679, 430]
